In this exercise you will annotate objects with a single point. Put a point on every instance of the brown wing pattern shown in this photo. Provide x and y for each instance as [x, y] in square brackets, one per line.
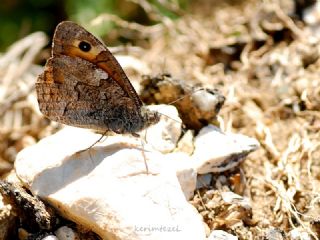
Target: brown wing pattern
[66, 39]
[83, 85]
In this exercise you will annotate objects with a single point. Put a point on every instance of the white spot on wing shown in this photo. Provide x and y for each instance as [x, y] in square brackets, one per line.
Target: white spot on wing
[100, 74]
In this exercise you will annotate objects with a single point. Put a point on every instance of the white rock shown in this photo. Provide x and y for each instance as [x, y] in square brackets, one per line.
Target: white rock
[107, 189]
[221, 235]
[66, 233]
[311, 14]
[164, 135]
[299, 234]
[274, 233]
[50, 237]
[232, 198]
[187, 175]
[185, 144]
[216, 151]
[205, 100]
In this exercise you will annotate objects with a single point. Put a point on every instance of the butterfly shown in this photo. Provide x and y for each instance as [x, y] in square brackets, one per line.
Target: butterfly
[83, 85]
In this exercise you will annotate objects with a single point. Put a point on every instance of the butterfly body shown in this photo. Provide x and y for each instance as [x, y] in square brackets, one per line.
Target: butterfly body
[83, 85]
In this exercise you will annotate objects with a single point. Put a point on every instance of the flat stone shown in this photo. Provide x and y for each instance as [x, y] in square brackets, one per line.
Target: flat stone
[216, 151]
[107, 188]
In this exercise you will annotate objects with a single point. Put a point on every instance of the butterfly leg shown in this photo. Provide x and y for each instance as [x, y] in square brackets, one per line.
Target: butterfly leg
[142, 151]
[88, 148]
[144, 156]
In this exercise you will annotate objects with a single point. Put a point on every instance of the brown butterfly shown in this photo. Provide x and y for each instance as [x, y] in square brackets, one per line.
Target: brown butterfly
[83, 85]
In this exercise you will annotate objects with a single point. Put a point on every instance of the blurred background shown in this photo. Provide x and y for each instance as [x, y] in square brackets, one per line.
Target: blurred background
[21, 17]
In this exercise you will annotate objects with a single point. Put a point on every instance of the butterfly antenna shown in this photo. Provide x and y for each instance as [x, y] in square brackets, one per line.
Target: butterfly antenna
[171, 103]
[186, 95]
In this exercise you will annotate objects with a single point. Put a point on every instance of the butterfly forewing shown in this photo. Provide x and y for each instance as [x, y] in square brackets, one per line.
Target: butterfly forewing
[83, 85]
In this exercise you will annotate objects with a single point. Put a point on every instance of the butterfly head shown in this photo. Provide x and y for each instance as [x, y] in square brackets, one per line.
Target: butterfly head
[150, 117]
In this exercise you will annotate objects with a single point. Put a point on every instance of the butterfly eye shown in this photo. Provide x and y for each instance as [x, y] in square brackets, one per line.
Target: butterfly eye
[84, 46]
